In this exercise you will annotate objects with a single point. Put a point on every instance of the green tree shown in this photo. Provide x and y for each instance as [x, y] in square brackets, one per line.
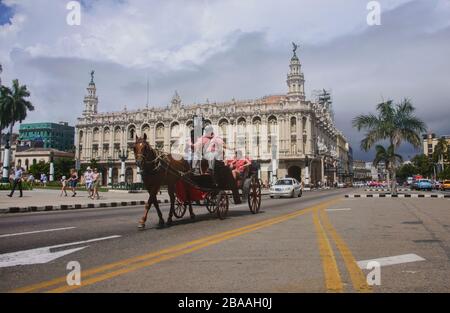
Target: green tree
[395, 123]
[62, 167]
[39, 168]
[440, 152]
[445, 174]
[387, 156]
[14, 103]
[405, 171]
[423, 165]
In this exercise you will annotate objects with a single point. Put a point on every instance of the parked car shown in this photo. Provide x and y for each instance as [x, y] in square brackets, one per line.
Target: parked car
[445, 185]
[409, 181]
[437, 185]
[424, 184]
[286, 187]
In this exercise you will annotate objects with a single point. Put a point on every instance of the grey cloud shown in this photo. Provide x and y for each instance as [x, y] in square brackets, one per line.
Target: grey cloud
[405, 57]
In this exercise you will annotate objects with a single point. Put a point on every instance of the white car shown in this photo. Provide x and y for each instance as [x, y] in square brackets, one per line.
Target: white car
[286, 187]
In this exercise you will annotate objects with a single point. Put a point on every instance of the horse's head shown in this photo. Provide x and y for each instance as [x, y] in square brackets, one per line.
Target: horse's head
[142, 151]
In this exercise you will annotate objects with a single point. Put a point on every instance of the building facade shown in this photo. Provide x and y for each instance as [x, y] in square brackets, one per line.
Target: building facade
[430, 141]
[287, 134]
[31, 156]
[362, 171]
[58, 136]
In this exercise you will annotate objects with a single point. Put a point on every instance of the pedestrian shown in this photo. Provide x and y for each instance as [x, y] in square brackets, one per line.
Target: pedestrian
[73, 181]
[30, 180]
[96, 184]
[17, 181]
[88, 180]
[44, 179]
[63, 186]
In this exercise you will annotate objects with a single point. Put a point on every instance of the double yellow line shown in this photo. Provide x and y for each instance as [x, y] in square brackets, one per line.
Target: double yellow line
[108, 271]
[115, 269]
[333, 281]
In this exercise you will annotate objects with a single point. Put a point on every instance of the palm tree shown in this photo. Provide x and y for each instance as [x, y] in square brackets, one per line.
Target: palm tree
[388, 157]
[14, 105]
[439, 152]
[395, 123]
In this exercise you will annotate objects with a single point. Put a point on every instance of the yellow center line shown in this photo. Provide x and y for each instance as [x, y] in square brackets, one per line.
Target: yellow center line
[356, 275]
[333, 281]
[135, 263]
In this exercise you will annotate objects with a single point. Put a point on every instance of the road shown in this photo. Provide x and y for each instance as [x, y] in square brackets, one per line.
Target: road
[308, 244]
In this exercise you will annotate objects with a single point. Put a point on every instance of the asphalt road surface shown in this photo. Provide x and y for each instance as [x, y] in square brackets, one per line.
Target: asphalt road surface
[320, 242]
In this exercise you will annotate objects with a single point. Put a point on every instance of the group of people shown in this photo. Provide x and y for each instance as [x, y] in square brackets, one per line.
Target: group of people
[212, 147]
[91, 180]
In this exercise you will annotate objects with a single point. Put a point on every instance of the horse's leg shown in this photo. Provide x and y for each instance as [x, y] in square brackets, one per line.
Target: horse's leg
[188, 199]
[171, 191]
[160, 216]
[147, 208]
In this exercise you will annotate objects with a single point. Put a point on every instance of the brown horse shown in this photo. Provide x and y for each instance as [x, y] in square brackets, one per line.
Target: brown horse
[159, 169]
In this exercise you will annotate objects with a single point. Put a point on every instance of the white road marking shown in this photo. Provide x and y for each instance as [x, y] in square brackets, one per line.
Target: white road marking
[43, 255]
[35, 232]
[342, 209]
[392, 260]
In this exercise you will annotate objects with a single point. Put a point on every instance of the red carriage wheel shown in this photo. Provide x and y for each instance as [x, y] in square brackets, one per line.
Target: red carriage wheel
[222, 204]
[254, 195]
[180, 209]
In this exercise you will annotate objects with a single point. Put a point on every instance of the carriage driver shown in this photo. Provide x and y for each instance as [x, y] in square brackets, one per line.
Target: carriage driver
[212, 147]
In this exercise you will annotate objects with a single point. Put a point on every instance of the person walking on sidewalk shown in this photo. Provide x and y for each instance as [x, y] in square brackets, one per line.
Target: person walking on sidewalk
[88, 180]
[73, 181]
[63, 186]
[17, 181]
[95, 184]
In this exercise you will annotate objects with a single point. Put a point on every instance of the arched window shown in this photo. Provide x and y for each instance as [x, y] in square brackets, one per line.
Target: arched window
[96, 134]
[129, 175]
[145, 130]
[175, 130]
[159, 136]
[106, 134]
[117, 133]
[131, 133]
[293, 125]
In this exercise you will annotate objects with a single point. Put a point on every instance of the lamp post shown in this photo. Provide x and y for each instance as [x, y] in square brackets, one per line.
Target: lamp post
[52, 167]
[123, 156]
[110, 164]
[6, 161]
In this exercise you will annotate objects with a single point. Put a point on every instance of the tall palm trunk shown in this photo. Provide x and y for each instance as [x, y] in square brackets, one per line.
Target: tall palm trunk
[393, 182]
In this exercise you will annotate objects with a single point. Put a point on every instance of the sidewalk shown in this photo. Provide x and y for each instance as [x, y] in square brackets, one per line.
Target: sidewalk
[48, 200]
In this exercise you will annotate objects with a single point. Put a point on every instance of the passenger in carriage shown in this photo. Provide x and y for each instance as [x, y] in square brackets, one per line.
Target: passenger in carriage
[238, 165]
[212, 147]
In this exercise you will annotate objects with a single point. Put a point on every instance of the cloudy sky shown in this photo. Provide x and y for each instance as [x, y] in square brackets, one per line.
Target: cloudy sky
[220, 49]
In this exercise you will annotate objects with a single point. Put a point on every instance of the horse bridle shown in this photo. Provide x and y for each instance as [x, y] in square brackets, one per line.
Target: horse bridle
[158, 155]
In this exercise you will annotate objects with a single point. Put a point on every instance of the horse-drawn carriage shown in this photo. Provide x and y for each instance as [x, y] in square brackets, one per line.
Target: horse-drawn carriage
[201, 188]
[186, 186]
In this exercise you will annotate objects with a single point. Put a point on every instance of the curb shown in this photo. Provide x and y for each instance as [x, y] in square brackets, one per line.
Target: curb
[64, 207]
[415, 195]
[386, 190]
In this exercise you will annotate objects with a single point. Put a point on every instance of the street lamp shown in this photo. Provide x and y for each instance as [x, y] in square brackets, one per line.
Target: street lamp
[123, 156]
[52, 167]
[110, 163]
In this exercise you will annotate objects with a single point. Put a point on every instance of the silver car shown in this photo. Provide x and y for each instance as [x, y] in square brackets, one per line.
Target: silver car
[286, 187]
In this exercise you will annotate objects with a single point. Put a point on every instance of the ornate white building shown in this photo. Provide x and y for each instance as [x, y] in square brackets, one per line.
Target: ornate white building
[286, 133]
